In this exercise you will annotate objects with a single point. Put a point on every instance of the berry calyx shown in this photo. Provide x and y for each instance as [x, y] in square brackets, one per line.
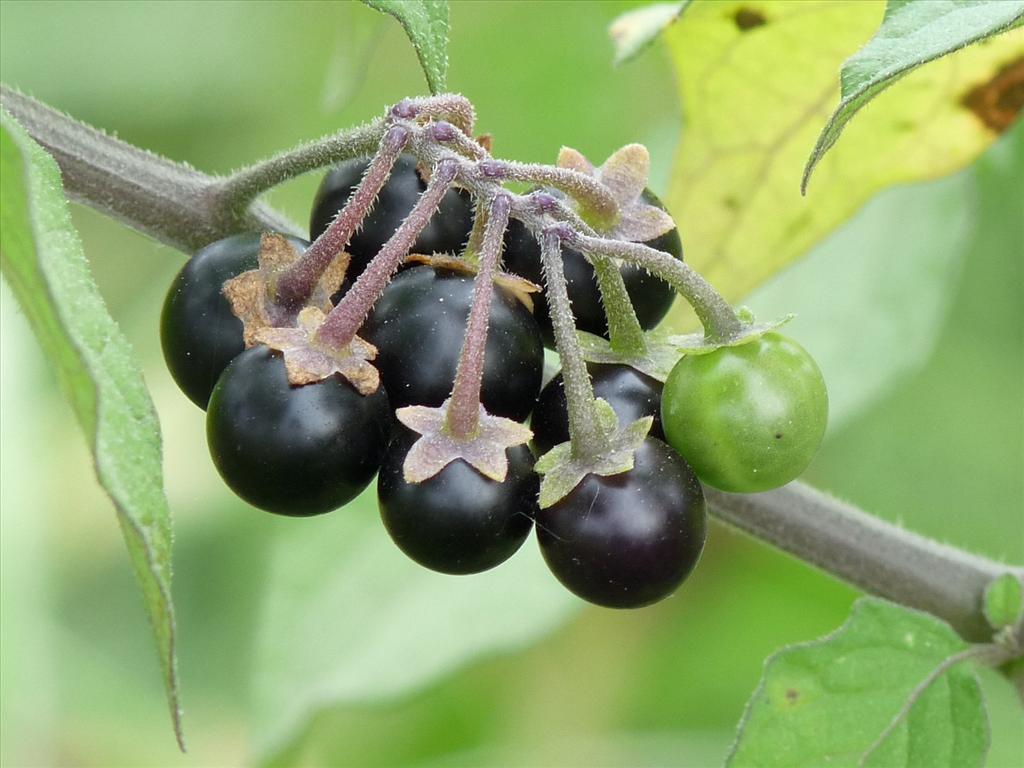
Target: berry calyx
[630, 393]
[199, 333]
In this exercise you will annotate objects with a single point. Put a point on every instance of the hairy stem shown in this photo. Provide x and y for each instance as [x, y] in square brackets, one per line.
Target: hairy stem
[595, 198]
[585, 433]
[718, 318]
[624, 332]
[240, 189]
[464, 409]
[871, 554]
[167, 201]
[344, 321]
[297, 284]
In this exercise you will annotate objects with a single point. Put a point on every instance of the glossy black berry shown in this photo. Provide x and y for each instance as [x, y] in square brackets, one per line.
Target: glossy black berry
[630, 393]
[630, 539]
[446, 232]
[418, 325]
[458, 521]
[198, 331]
[294, 450]
[652, 297]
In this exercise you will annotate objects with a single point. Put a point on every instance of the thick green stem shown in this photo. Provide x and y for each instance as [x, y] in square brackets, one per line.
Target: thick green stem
[585, 432]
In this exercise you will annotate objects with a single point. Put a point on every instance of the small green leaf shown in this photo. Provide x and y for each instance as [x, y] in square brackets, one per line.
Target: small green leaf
[634, 31]
[42, 260]
[913, 33]
[426, 24]
[829, 702]
[1004, 601]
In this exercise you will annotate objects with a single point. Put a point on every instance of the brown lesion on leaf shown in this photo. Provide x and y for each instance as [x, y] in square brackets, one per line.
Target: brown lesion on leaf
[998, 102]
[749, 18]
[792, 695]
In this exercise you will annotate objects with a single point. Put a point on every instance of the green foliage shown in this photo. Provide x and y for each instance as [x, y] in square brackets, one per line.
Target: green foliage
[426, 24]
[1004, 601]
[839, 700]
[43, 262]
[754, 81]
[913, 33]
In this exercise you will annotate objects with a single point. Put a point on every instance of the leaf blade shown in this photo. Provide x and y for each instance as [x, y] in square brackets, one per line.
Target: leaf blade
[755, 95]
[913, 33]
[41, 258]
[426, 24]
[829, 701]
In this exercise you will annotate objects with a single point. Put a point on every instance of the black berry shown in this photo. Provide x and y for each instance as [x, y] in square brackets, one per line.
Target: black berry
[418, 325]
[294, 450]
[458, 521]
[630, 539]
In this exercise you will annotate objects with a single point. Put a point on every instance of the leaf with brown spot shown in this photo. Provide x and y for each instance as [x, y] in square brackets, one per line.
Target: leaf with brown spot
[755, 102]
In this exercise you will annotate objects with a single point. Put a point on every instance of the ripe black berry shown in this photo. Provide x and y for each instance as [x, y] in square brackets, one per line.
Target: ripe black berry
[447, 231]
[199, 333]
[458, 521]
[630, 539]
[294, 450]
[418, 326]
[630, 393]
[652, 297]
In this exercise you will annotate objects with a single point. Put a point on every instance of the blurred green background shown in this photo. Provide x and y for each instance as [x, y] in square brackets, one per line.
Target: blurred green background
[313, 642]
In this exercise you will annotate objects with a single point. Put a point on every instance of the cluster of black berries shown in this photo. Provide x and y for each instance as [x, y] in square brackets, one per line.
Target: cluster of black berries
[624, 540]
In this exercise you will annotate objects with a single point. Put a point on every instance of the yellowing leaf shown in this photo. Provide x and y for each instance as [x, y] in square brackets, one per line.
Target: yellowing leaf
[758, 81]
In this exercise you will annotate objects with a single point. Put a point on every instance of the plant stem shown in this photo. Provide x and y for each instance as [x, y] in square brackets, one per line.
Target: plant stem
[595, 198]
[240, 189]
[167, 201]
[873, 555]
[718, 318]
[585, 432]
[624, 332]
[344, 321]
[297, 283]
[464, 408]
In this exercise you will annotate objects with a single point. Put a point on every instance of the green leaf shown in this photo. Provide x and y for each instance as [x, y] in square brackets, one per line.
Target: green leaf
[634, 31]
[1004, 601]
[838, 701]
[349, 620]
[913, 32]
[426, 24]
[756, 80]
[42, 260]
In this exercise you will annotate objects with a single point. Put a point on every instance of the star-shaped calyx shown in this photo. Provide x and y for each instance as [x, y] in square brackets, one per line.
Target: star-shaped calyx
[252, 293]
[561, 471]
[625, 174]
[521, 288]
[437, 446]
[307, 362]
